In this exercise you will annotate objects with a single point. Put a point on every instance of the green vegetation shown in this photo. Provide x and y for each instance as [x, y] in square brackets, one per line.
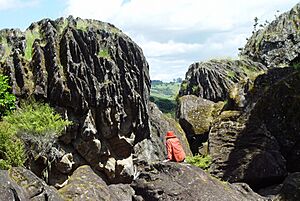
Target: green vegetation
[82, 25]
[296, 66]
[35, 124]
[36, 119]
[195, 89]
[12, 152]
[104, 53]
[31, 36]
[164, 95]
[62, 26]
[202, 162]
[183, 86]
[230, 74]
[7, 100]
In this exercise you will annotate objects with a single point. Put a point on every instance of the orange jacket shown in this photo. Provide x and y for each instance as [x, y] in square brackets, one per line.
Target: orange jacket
[174, 149]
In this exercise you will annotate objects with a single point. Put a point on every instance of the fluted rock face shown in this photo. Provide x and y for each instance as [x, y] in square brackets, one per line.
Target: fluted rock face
[94, 75]
[260, 145]
[276, 44]
[213, 79]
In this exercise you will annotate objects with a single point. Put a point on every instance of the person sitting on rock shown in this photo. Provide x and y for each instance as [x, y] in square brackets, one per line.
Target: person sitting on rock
[174, 148]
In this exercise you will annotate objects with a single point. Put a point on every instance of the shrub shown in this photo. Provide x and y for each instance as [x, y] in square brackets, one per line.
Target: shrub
[37, 119]
[12, 152]
[35, 125]
[7, 100]
[200, 161]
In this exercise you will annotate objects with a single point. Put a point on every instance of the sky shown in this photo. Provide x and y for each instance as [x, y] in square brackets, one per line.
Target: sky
[173, 34]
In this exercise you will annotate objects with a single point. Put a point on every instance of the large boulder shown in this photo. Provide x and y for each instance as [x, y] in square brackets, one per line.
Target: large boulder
[195, 116]
[21, 184]
[85, 184]
[260, 145]
[153, 148]
[276, 44]
[95, 76]
[213, 79]
[181, 181]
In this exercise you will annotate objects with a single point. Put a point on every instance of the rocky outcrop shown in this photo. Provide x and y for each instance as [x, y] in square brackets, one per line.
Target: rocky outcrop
[259, 145]
[288, 190]
[95, 76]
[153, 148]
[84, 184]
[22, 184]
[213, 79]
[195, 116]
[277, 43]
[181, 181]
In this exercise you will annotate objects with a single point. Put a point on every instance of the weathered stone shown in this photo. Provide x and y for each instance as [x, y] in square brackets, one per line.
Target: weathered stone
[84, 184]
[65, 164]
[93, 74]
[195, 116]
[181, 181]
[9, 189]
[22, 184]
[277, 43]
[213, 79]
[121, 192]
[260, 146]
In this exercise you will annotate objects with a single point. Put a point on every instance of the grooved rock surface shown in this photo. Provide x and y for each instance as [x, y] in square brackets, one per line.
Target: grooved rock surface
[278, 43]
[213, 79]
[181, 181]
[153, 149]
[260, 145]
[22, 184]
[95, 75]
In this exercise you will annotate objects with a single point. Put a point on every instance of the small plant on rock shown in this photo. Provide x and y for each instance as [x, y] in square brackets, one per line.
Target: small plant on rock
[200, 161]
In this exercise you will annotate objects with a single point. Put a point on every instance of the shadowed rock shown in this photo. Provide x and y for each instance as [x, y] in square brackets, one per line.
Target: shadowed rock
[153, 149]
[287, 191]
[260, 145]
[181, 181]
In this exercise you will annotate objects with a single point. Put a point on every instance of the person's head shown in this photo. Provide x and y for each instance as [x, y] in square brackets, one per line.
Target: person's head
[170, 134]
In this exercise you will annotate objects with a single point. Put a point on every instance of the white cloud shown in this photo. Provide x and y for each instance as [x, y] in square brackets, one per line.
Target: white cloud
[177, 30]
[9, 4]
[158, 49]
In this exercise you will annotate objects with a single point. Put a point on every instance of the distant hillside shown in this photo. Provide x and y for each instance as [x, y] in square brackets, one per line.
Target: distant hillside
[164, 95]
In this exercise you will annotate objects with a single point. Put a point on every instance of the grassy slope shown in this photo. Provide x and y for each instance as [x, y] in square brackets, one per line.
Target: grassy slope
[164, 95]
